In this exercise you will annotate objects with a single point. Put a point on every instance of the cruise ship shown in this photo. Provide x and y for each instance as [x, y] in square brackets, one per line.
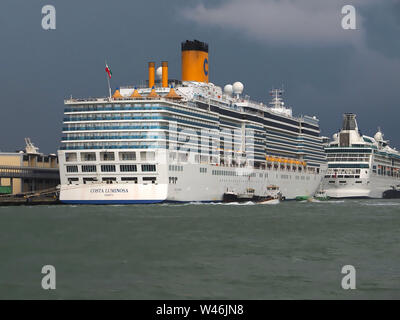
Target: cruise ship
[185, 140]
[360, 166]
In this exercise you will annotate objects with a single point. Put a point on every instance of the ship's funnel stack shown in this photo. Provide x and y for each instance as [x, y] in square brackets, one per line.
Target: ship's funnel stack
[349, 133]
[195, 61]
[349, 122]
[151, 74]
[164, 81]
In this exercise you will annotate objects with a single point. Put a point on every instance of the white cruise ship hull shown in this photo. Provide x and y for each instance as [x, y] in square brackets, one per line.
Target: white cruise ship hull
[371, 187]
[192, 186]
[360, 166]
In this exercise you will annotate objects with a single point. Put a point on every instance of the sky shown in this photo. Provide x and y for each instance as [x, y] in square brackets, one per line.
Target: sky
[298, 44]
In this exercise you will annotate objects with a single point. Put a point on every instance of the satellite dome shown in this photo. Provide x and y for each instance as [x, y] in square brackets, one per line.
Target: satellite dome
[228, 89]
[378, 136]
[238, 87]
[335, 136]
[159, 73]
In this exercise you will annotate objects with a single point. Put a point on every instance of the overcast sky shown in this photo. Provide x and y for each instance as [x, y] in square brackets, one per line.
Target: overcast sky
[300, 44]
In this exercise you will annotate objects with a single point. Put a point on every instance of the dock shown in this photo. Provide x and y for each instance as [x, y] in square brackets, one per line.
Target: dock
[43, 197]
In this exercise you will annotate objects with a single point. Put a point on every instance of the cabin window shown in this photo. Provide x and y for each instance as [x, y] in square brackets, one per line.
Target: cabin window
[134, 179]
[107, 156]
[128, 168]
[88, 156]
[127, 156]
[108, 168]
[109, 180]
[150, 179]
[173, 180]
[147, 155]
[85, 180]
[72, 168]
[89, 168]
[72, 180]
[183, 157]
[148, 167]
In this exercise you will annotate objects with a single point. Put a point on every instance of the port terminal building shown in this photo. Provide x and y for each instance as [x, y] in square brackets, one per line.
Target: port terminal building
[28, 171]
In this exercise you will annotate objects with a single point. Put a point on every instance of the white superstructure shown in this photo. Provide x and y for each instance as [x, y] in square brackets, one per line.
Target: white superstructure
[360, 166]
[192, 142]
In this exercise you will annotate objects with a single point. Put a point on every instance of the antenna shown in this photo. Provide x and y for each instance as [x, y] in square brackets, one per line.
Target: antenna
[30, 147]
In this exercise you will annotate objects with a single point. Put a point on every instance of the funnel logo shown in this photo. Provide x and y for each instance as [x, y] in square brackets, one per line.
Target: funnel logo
[205, 66]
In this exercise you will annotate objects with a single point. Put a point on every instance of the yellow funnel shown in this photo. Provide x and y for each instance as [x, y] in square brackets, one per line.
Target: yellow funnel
[152, 67]
[164, 65]
[195, 61]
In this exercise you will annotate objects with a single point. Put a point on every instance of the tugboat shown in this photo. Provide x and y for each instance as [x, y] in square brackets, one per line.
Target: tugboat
[393, 193]
[231, 196]
[272, 196]
[321, 195]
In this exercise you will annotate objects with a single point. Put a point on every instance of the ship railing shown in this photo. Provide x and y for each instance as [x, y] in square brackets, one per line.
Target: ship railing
[126, 99]
[310, 120]
[217, 103]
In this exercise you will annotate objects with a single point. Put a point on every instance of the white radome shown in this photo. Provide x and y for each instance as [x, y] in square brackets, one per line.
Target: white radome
[335, 136]
[159, 73]
[228, 89]
[238, 87]
[378, 136]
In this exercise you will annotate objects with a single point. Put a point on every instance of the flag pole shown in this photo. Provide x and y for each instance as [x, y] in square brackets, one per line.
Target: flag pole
[109, 86]
[108, 81]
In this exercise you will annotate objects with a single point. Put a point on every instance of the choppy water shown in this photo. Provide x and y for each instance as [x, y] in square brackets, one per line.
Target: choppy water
[198, 251]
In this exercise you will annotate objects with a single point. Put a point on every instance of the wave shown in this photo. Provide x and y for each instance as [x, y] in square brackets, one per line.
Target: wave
[382, 204]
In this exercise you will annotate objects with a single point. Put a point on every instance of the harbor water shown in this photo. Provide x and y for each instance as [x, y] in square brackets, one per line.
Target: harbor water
[293, 250]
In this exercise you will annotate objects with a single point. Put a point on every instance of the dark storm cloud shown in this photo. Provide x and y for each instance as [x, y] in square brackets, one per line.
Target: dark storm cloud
[329, 73]
[327, 70]
[383, 28]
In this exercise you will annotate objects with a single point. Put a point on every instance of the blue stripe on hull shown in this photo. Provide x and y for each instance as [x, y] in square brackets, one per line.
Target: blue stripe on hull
[131, 201]
[194, 201]
[110, 201]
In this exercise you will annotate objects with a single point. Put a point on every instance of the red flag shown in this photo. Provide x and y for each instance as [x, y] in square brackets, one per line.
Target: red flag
[108, 70]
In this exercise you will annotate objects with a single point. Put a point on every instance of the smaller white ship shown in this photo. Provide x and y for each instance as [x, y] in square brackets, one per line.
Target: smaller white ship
[360, 166]
[321, 195]
[274, 195]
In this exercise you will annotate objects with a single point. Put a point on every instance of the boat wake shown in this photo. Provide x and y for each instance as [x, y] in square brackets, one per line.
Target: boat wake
[378, 204]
